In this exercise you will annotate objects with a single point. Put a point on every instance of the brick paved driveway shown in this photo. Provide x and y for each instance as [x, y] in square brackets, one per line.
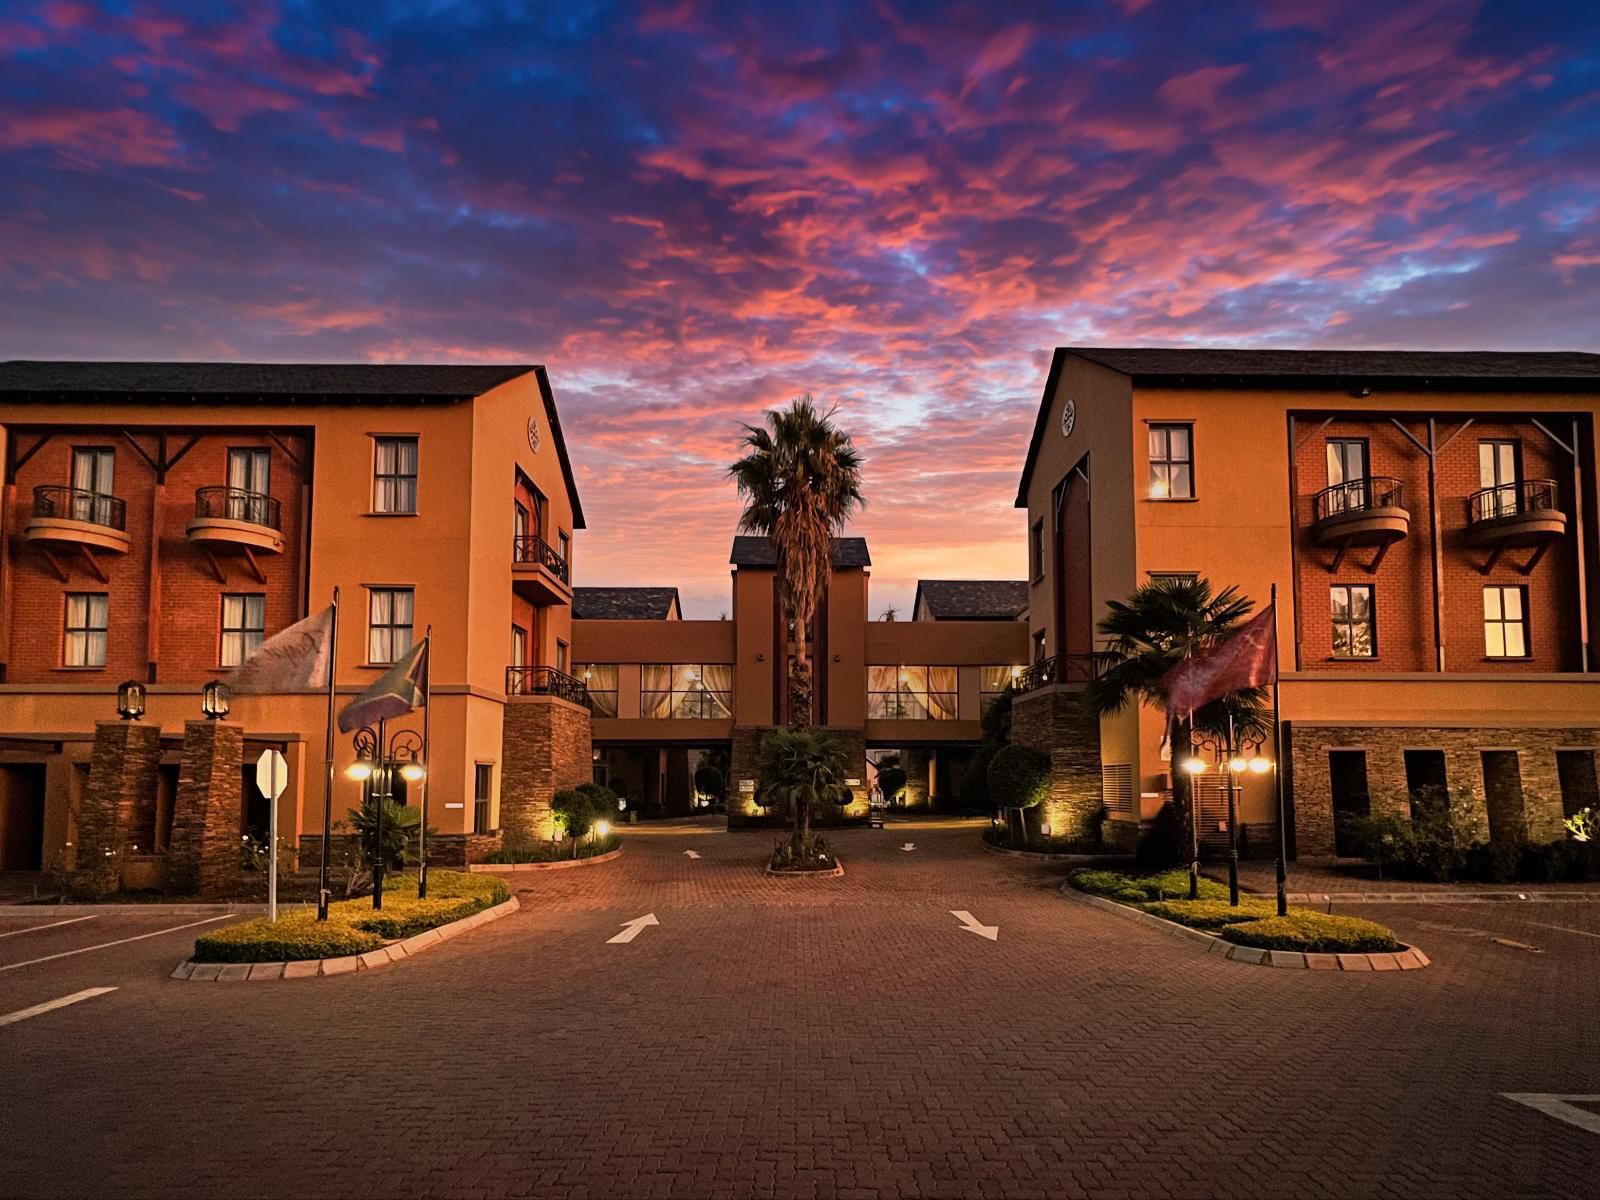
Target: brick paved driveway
[821, 1038]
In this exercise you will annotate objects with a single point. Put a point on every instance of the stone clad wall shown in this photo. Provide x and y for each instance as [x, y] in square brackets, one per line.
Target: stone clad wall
[123, 771]
[545, 746]
[1385, 748]
[1056, 721]
[203, 853]
[742, 812]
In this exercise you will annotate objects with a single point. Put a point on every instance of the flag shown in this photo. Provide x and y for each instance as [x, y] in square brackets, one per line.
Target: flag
[291, 661]
[399, 690]
[1248, 659]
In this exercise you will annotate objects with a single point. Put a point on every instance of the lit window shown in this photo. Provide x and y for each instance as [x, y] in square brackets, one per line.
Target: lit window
[601, 680]
[244, 626]
[695, 691]
[389, 622]
[992, 684]
[1505, 622]
[86, 629]
[911, 693]
[395, 475]
[1353, 626]
[1171, 462]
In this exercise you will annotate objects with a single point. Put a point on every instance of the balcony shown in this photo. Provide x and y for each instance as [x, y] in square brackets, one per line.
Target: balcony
[538, 572]
[67, 519]
[1360, 512]
[1512, 515]
[228, 520]
[546, 681]
[1062, 668]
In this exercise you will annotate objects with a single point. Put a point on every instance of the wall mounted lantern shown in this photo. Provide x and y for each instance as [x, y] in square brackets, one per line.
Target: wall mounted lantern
[214, 700]
[130, 700]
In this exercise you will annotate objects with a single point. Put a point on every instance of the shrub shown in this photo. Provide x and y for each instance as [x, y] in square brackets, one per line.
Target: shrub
[708, 782]
[1313, 933]
[532, 852]
[602, 800]
[296, 936]
[1163, 847]
[1212, 914]
[400, 825]
[816, 855]
[574, 811]
[974, 786]
[1018, 777]
[1137, 889]
[891, 778]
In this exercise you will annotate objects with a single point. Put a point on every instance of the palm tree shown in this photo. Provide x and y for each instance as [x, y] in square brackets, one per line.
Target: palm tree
[1161, 624]
[800, 480]
[801, 770]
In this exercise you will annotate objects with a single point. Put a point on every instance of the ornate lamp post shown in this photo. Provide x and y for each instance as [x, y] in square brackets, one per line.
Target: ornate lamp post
[1236, 756]
[375, 767]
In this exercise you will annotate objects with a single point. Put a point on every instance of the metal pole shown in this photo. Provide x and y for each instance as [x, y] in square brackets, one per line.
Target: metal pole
[327, 765]
[1433, 543]
[272, 839]
[1233, 823]
[380, 802]
[1277, 771]
[1193, 784]
[427, 763]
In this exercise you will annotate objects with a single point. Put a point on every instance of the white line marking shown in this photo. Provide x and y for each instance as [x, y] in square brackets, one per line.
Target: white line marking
[630, 929]
[971, 925]
[107, 945]
[1565, 929]
[52, 925]
[1560, 1108]
[691, 854]
[24, 1013]
[909, 846]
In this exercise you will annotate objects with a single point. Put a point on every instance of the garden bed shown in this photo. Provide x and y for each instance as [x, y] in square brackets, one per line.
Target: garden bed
[1251, 932]
[353, 927]
[832, 872]
[550, 855]
[815, 860]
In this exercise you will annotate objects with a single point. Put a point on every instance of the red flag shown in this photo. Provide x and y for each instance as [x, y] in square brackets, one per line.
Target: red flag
[1248, 659]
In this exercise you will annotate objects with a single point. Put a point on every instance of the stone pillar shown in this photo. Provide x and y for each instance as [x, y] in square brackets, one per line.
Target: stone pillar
[915, 762]
[1056, 720]
[742, 810]
[203, 855]
[545, 746]
[123, 771]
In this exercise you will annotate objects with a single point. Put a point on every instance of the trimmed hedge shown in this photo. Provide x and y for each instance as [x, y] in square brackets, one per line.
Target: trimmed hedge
[1140, 889]
[1313, 933]
[1212, 914]
[532, 852]
[1019, 777]
[352, 926]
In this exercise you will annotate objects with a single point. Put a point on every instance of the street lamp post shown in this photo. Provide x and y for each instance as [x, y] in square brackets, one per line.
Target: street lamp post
[377, 760]
[1235, 757]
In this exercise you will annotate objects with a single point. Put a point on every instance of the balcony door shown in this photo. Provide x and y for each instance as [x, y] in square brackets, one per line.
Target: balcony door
[1499, 473]
[248, 484]
[1347, 474]
[93, 477]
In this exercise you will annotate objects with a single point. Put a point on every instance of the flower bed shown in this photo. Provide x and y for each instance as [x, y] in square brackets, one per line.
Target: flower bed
[543, 852]
[353, 927]
[815, 858]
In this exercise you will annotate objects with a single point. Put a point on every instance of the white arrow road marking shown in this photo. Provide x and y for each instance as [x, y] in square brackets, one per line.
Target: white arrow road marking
[1561, 1108]
[691, 854]
[119, 942]
[52, 925]
[630, 929]
[909, 846]
[971, 925]
[24, 1013]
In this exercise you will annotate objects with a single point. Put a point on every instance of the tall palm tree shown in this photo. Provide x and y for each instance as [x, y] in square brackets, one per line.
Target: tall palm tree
[800, 480]
[1164, 622]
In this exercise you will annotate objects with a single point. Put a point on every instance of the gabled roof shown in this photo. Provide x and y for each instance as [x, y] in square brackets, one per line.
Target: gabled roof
[23, 381]
[625, 604]
[971, 599]
[758, 552]
[1398, 370]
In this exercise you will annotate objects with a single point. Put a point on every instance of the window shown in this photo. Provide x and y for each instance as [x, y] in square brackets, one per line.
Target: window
[562, 656]
[1505, 622]
[482, 790]
[520, 528]
[992, 684]
[1172, 462]
[1426, 778]
[697, 691]
[1354, 631]
[1038, 645]
[389, 617]
[1499, 471]
[249, 483]
[395, 475]
[244, 625]
[911, 693]
[1174, 578]
[93, 475]
[1347, 476]
[1576, 774]
[564, 547]
[1036, 550]
[519, 646]
[1502, 796]
[86, 630]
[1347, 780]
[601, 680]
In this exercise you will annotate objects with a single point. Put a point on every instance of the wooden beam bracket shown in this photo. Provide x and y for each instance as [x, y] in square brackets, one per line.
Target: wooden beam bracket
[216, 567]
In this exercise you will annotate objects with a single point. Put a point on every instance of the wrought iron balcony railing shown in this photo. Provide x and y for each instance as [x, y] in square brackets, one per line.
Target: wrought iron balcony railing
[531, 548]
[1511, 500]
[76, 504]
[1357, 495]
[546, 681]
[1063, 668]
[236, 504]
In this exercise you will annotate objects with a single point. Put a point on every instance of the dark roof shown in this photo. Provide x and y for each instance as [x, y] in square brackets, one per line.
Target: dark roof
[275, 383]
[249, 381]
[1399, 370]
[972, 599]
[758, 552]
[624, 603]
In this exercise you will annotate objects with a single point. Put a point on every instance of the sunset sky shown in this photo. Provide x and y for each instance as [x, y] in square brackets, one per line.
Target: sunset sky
[690, 212]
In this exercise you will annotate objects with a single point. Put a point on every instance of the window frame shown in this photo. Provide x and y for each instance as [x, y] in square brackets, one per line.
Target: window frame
[373, 591]
[85, 631]
[585, 671]
[482, 773]
[396, 477]
[1168, 463]
[717, 696]
[986, 698]
[1520, 623]
[1351, 623]
[1036, 551]
[906, 696]
[242, 632]
[519, 645]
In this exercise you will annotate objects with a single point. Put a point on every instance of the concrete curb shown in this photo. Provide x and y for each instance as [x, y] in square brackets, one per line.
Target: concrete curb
[312, 968]
[557, 865]
[838, 870]
[1084, 860]
[1407, 958]
[1453, 897]
[126, 910]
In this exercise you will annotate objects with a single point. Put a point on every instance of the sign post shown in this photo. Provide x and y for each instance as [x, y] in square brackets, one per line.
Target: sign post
[272, 776]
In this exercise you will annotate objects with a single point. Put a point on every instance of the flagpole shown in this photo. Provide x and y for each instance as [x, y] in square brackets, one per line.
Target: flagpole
[327, 765]
[1277, 770]
[427, 764]
[384, 780]
[1194, 821]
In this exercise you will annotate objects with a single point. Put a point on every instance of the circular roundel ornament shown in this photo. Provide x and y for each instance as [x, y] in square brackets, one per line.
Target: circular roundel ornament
[533, 434]
[1069, 417]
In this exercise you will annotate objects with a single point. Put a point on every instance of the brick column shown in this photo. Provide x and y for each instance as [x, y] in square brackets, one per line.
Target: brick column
[545, 746]
[122, 783]
[915, 763]
[203, 855]
[1056, 721]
